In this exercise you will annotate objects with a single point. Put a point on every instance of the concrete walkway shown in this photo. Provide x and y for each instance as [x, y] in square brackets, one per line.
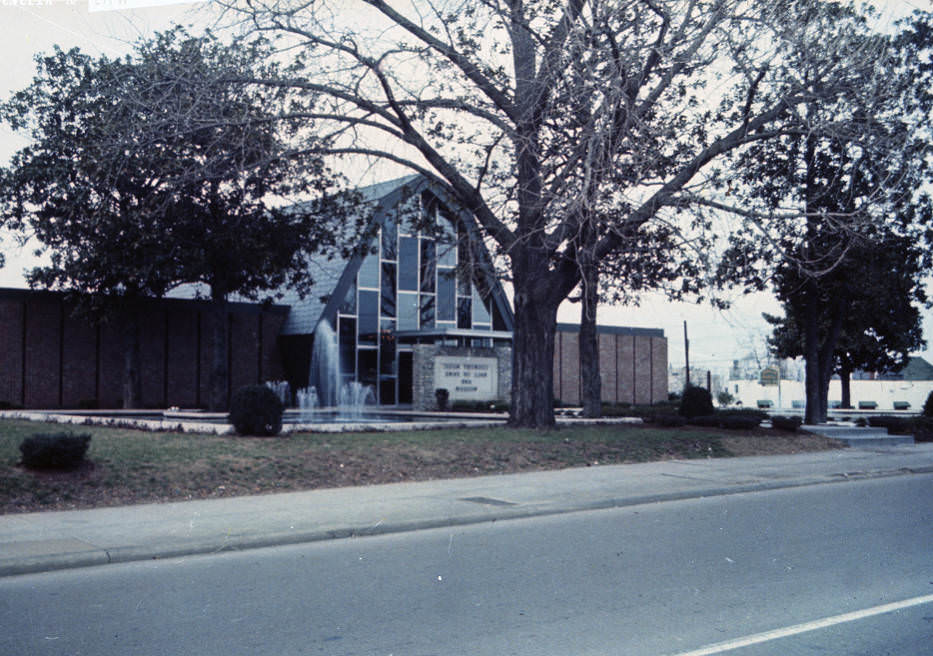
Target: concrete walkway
[859, 436]
[37, 542]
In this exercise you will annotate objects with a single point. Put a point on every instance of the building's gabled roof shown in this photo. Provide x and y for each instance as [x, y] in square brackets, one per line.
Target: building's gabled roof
[916, 369]
[336, 276]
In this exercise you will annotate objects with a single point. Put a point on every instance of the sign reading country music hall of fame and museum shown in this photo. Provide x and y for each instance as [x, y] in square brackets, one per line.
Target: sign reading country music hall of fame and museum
[467, 379]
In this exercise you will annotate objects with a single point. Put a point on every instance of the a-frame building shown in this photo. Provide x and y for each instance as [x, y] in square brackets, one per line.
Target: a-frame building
[419, 302]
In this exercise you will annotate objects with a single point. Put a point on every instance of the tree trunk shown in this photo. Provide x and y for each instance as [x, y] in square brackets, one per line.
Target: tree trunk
[845, 378]
[533, 364]
[813, 381]
[219, 374]
[591, 387]
[132, 361]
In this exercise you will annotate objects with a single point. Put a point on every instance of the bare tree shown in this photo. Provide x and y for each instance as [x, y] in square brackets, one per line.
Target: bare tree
[537, 114]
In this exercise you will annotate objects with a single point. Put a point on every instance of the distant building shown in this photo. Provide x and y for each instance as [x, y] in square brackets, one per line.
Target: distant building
[904, 390]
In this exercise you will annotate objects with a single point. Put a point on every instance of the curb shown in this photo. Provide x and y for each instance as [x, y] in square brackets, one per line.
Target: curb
[84, 554]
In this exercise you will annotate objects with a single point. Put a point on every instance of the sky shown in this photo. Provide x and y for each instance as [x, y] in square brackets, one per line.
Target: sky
[28, 27]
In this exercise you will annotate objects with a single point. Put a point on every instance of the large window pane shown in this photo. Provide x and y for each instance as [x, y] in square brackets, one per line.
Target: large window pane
[446, 295]
[428, 213]
[427, 310]
[409, 212]
[369, 271]
[408, 264]
[407, 311]
[367, 367]
[464, 268]
[369, 317]
[464, 311]
[389, 237]
[428, 264]
[346, 328]
[387, 390]
[387, 348]
[388, 289]
[480, 309]
[447, 240]
[348, 306]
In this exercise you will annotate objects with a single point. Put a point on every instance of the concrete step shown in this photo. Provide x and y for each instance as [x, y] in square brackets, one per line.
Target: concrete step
[859, 436]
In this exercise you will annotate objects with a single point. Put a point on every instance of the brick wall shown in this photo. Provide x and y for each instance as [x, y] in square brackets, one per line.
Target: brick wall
[632, 365]
[51, 358]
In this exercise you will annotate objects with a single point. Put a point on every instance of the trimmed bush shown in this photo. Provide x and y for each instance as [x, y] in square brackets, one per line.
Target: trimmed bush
[739, 422]
[54, 450]
[617, 410]
[790, 424]
[752, 413]
[697, 402]
[928, 406]
[895, 425]
[441, 395]
[256, 410]
[669, 421]
[923, 429]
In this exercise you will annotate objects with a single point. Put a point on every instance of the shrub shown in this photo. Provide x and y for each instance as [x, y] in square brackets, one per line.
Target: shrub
[441, 395]
[923, 429]
[739, 422]
[928, 406]
[725, 399]
[647, 412]
[697, 402]
[753, 413]
[790, 424]
[54, 450]
[9, 405]
[669, 421]
[706, 421]
[895, 425]
[256, 410]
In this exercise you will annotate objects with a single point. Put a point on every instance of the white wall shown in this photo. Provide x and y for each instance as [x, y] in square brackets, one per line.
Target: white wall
[882, 392]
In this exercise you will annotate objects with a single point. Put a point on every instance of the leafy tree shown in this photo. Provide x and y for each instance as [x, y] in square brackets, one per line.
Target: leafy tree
[538, 116]
[162, 169]
[871, 302]
[846, 180]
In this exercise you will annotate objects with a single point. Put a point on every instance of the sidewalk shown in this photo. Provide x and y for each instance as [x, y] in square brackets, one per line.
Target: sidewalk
[39, 542]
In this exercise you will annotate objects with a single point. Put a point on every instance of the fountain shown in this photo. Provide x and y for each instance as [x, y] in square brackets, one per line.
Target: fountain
[325, 365]
[353, 397]
[350, 398]
[282, 390]
[307, 400]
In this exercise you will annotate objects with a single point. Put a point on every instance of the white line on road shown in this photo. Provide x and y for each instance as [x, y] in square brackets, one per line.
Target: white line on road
[776, 634]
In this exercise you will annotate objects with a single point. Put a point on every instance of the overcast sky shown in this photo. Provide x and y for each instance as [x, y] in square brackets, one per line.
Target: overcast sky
[28, 27]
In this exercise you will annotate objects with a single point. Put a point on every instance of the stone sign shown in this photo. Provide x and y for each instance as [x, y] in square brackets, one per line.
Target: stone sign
[467, 379]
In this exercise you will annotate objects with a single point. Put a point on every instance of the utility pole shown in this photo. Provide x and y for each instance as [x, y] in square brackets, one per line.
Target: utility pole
[686, 356]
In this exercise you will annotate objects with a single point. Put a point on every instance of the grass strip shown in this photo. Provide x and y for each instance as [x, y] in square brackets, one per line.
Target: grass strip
[126, 466]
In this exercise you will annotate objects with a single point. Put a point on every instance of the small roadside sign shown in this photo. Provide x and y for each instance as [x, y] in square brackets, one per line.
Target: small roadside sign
[770, 376]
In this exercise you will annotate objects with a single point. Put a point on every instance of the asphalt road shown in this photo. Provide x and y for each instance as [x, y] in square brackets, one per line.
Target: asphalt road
[665, 578]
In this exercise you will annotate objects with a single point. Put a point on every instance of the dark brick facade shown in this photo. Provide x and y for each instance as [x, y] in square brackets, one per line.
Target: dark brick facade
[50, 358]
[632, 364]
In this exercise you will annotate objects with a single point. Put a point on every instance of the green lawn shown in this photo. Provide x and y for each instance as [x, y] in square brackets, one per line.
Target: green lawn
[133, 466]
